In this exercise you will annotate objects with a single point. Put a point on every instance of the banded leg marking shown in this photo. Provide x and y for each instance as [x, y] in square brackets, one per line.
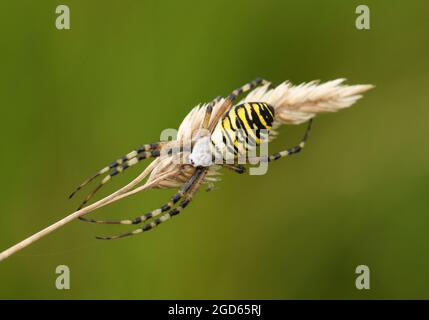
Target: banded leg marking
[142, 151]
[152, 214]
[154, 223]
[232, 96]
[119, 166]
[209, 110]
[236, 168]
[291, 150]
[194, 184]
[247, 87]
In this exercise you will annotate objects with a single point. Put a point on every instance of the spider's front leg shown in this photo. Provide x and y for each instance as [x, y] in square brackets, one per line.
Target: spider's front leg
[227, 104]
[247, 87]
[146, 151]
[208, 114]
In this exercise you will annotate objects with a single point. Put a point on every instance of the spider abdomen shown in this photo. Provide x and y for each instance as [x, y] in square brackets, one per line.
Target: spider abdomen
[243, 128]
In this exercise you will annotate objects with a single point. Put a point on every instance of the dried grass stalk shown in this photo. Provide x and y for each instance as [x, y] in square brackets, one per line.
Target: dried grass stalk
[292, 104]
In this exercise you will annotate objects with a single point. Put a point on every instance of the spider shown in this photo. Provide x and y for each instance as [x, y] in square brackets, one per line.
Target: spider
[230, 127]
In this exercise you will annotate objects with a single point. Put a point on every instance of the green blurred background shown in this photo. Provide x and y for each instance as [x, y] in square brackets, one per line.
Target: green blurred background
[74, 100]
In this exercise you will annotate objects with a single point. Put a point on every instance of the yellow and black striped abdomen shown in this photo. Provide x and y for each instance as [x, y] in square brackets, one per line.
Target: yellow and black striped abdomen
[243, 128]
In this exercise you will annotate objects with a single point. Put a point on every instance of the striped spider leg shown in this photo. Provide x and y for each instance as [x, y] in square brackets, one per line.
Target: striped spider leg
[144, 152]
[227, 104]
[289, 151]
[208, 112]
[154, 213]
[238, 168]
[186, 192]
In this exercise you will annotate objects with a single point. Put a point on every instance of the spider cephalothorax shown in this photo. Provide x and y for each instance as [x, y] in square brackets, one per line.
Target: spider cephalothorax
[229, 132]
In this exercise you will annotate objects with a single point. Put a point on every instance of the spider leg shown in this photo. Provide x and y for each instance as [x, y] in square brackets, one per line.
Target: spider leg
[247, 87]
[292, 150]
[236, 168]
[209, 110]
[173, 200]
[227, 104]
[197, 178]
[145, 151]
[118, 168]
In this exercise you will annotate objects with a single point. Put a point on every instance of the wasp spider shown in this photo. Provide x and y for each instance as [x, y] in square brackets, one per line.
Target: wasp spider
[233, 129]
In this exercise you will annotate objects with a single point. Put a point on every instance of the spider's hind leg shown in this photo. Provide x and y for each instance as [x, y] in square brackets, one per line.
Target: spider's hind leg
[295, 149]
[289, 151]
